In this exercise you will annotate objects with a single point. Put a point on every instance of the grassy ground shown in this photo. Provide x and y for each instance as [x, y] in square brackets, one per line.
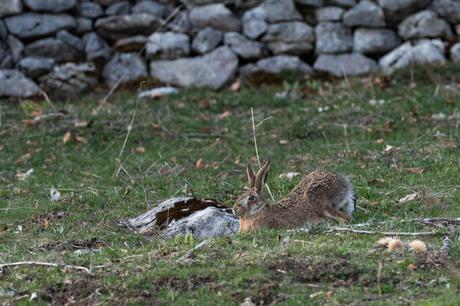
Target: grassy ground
[392, 137]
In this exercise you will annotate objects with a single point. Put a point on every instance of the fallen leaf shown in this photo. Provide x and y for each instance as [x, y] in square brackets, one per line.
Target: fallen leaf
[415, 170]
[328, 294]
[283, 142]
[390, 149]
[24, 158]
[376, 181]
[66, 137]
[80, 140]
[409, 198]
[46, 223]
[139, 150]
[1, 147]
[236, 85]
[200, 164]
[379, 141]
[224, 115]
[28, 122]
[411, 267]
[204, 104]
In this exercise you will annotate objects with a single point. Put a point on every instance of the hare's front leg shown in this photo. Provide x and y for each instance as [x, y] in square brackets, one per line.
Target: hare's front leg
[337, 214]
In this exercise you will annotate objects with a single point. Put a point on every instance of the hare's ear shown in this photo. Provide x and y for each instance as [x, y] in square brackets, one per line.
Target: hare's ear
[262, 175]
[251, 176]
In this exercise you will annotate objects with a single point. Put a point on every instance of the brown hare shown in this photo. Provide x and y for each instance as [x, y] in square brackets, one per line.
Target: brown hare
[320, 195]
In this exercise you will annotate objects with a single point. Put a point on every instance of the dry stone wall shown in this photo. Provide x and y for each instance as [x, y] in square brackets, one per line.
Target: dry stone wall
[66, 47]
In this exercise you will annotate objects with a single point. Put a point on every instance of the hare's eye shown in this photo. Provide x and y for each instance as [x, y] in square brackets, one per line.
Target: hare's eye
[252, 198]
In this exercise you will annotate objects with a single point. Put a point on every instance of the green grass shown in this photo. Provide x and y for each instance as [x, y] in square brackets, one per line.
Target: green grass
[330, 125]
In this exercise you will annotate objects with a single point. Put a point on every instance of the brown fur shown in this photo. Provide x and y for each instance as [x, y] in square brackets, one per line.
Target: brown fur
[314, 199]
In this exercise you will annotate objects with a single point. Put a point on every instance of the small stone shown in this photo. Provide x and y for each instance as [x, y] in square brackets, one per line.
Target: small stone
[32, 25]
[127, 67]
[10, 7]
[329, 13]
[333, 37]
[447, 9]
[14, 84]
[84, 25]
[424, 24]
[455, 53]
[254, 28]
[396, 10]
[96, 49]
[119, 8]
[273, 11]
[375, 40]
[34, 67]
[214, 15]
[212, 70]
[206, 40]
[340, 65]
[242, 46]
[52, 48]
[16, 47]
[71, 40]
[150, 7]
[277, 64]
[69, 80]
[90, 10]
[365, 14]
[54, 6]
[167, 45]
[131, 44]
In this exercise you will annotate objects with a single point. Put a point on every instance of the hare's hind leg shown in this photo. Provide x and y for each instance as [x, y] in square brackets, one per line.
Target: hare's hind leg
[338, 215]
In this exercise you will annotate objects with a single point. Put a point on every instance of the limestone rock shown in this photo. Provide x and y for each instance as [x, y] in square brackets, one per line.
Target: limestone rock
[247, 49]
[16, 47]
[71, 40]
[333, 37]
[340, 65]
[117, 27]
[448, 9]
[455, 53]
[34, 67]
[212, 70]
[254, 28]
[10, 7]
[90, 10]
[329, 13]
[421, 52]
[52, 48]
[167, 45]
[375, 40]
[365, 14]
[424, 24]
[54, 6]
[150, 7]
[128, 67]
[206, 40]
[277, 64]
[32, 25]
[14, 84]
[131, 44]
[96, 49]
[273, 11]
[216, 16]
[119, 8]
[396, 10]
[69, 79]
[84, 25]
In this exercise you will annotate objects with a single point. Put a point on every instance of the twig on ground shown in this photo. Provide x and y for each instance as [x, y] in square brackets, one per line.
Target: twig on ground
[46, 264]
[257, 150]
[355, 231]
[190, 252]
[424, 221]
